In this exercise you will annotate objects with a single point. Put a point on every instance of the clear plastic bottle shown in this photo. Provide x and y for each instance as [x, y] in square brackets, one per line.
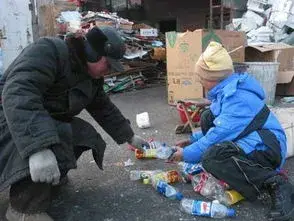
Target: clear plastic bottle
[208, 209]
[208, 186]
[164, 152]
[168, 191]
[156, 150]
[142, 174]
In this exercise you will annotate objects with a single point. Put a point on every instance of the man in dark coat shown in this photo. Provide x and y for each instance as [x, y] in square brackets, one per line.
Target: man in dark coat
[46, 86]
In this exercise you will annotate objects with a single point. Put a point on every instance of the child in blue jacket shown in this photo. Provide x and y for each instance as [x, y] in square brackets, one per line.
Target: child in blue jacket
[241, 142]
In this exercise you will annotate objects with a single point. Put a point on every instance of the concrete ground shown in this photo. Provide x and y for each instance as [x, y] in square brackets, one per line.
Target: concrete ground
[109, 195]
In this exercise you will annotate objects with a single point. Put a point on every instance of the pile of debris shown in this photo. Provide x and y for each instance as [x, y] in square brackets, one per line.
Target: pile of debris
[145, 56]
[267, 21]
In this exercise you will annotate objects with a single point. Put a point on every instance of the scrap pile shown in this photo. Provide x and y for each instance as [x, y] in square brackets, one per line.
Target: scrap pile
[145, 56]
[267, 21]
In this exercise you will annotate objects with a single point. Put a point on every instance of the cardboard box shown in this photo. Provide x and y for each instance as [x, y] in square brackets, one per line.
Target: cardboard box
[150, 32]
[278, 52]
[183, 51]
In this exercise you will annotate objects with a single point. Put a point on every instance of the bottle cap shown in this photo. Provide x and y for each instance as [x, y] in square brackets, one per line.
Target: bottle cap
[146, 181]
[179, 196]
[231, 213]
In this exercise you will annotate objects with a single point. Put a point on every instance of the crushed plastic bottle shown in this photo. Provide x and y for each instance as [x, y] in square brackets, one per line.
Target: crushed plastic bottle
[207, 209]
[142, 174]
[171, 176]
[167, 190]
[188, 170]
[156, 150]
[208, 186]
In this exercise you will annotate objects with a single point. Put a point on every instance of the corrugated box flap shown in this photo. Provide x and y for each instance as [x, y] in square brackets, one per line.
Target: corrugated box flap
[285, 77]
[270, 46]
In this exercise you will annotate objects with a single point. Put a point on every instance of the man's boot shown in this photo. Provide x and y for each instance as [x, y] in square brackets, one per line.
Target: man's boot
[29, 201]
[13, 215]
[282, 196]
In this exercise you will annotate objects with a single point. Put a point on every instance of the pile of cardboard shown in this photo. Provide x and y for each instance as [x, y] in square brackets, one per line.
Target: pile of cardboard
[145, 47]
[267, 21]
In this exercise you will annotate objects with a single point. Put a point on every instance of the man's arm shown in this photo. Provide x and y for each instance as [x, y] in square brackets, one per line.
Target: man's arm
[235, 116]
[109, 117]
[30, 124]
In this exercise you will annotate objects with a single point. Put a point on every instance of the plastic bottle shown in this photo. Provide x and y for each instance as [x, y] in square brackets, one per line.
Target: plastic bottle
[208, 186]
[171, 176]
[168, 191]
[188, 170]
[142, 174]
[164, 152]
[156, 150]
[208, 209]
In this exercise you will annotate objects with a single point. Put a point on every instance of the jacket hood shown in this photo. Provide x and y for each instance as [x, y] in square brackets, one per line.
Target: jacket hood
[242, 81]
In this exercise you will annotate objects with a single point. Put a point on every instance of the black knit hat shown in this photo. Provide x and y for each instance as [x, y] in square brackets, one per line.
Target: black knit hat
[105, 41]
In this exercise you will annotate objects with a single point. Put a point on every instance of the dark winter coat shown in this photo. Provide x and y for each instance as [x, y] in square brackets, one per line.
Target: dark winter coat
[39, 91]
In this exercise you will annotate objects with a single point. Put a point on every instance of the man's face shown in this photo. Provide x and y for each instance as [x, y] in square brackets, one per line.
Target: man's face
[99, 68]
[207, 84]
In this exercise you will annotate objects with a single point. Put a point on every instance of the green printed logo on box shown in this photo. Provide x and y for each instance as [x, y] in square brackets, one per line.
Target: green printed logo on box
[172, 38]
[211, 36]
[184, 47]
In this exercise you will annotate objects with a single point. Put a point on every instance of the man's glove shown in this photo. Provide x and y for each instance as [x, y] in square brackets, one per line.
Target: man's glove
[139, 142]
[44, 167]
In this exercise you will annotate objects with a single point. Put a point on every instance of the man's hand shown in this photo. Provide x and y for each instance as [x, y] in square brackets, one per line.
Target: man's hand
[178, 155]
[139, 142]
[44, 167]
[183, 143]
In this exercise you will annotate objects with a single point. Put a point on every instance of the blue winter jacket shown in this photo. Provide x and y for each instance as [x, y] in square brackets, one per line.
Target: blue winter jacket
[235, 102]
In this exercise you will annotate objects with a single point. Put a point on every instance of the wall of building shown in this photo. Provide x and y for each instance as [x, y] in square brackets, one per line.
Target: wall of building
[190, 14]
[94, 5]
[16, 28]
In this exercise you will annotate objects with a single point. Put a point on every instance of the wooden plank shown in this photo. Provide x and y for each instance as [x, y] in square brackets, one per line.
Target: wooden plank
[48, 11]
[47, 20]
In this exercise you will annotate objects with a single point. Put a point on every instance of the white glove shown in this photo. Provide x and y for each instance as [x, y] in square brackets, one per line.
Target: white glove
[139, 142]
[44, 167]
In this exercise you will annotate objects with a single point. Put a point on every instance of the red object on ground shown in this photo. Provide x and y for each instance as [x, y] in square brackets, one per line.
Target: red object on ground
[183, 117]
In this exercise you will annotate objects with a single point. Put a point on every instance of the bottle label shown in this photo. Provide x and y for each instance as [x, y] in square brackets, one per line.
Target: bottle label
[201, 180]
[159, 177]
[150, 153]
[201, 208]
[173, 176]
[169, 177]
[161, 187]
[195, 169]
[154, 145]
